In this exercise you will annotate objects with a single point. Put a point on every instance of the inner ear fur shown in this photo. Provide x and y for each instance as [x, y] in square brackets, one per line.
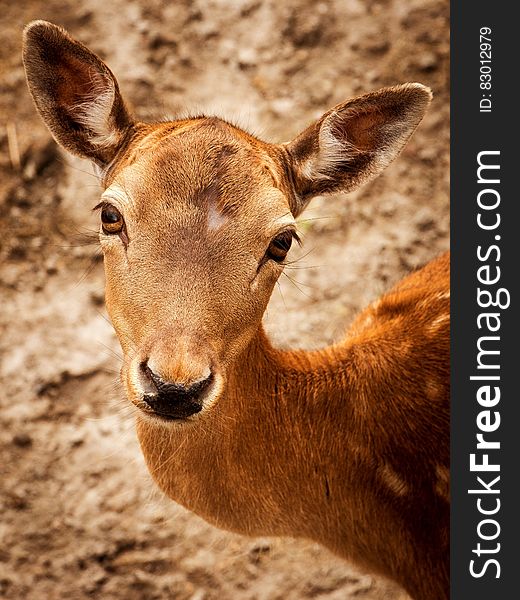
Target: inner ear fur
[75, 93]
[354, 141]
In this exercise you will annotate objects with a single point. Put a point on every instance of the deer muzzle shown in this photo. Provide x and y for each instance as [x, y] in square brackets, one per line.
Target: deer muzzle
[173, 400]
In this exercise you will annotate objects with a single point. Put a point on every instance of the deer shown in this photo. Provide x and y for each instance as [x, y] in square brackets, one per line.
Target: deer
[346, 445]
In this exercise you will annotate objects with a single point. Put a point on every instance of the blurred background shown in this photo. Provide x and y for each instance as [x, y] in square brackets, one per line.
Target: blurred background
[79, 516]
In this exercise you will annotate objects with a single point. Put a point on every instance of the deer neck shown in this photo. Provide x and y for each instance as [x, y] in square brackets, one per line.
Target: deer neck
[272, 445]
[266, 379]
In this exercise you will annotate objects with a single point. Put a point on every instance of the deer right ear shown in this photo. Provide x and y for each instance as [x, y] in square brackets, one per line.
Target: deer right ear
[75, 93]
[355, 141]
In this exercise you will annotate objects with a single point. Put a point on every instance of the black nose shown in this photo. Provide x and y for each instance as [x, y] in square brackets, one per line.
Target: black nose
[175, 400]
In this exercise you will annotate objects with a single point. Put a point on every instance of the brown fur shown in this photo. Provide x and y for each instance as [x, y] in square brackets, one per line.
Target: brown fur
[348, 445]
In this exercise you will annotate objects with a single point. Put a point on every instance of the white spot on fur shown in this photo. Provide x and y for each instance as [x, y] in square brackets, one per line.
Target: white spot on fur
[215, 218]
[375, 305]
[393, 480]
[442, 484]
[364, 321]
[438, 323]
[367, 320]
[434, 390]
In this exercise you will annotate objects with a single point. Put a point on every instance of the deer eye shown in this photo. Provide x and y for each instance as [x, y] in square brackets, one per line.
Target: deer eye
[280, 246]
[111, 220]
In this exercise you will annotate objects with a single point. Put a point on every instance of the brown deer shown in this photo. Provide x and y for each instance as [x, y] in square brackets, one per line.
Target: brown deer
[347, 445]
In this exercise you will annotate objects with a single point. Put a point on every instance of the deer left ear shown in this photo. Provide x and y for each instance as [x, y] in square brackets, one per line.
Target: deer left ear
[75, 93]
[353, 142]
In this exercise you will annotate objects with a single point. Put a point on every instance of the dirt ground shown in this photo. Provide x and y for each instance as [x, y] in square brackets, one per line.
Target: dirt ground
[80, 517]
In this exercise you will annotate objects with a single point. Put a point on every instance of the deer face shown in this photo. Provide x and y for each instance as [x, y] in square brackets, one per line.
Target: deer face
[197, 216]
[195, 230]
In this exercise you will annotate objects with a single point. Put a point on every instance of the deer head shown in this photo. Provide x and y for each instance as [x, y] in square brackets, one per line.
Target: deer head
[197, 216]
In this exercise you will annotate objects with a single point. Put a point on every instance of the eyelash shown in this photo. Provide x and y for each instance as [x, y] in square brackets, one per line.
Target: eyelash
[99, 206]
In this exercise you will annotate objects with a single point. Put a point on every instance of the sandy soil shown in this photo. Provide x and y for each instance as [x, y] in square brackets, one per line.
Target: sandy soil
[80, 517]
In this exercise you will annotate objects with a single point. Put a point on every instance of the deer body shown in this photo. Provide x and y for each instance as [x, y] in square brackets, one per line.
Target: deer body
[348, 445]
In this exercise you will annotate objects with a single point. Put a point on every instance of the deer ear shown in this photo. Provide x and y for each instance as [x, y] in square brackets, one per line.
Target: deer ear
[75, 93]
[355, 141]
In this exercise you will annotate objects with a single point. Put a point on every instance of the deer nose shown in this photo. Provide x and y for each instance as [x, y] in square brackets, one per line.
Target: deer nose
[174, 400]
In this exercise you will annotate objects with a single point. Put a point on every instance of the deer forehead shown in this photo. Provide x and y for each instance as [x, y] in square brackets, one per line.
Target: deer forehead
[200, 172]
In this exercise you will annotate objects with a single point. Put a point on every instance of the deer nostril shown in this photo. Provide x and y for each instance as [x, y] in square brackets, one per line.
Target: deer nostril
[171, 399]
